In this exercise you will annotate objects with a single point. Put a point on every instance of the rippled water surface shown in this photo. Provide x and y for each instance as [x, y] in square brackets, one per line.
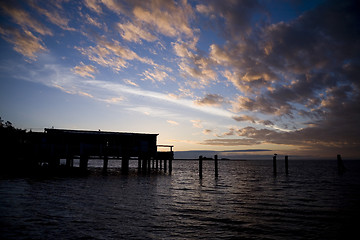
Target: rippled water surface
[247, 201]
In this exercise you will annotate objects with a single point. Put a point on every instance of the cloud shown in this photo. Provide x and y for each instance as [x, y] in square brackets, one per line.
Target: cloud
[54, 16]
[172, 122]
[128, 81]
[245, 118]
[237, 15]
[230, 142]
[112, 54]
[207, 131]
[284, 68]
[194, 65]
[93, 21]
[169, 18]
[325, 138]
[84, 70]
[23, 19]
[85, 94]
[155, 75]
[93, 5]
[25, 42]
[211, 100]
[113, 5]
[197, 123]
[114, 100]
[120, 89]
[134, 33]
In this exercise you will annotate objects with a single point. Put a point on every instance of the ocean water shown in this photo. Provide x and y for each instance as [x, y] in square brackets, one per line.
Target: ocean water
[246, 201]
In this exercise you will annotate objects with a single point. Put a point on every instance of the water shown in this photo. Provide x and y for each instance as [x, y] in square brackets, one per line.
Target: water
[247, 201]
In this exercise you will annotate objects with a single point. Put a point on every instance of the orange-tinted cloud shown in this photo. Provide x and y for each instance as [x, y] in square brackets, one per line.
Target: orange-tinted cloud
[85, 70]
[24, 43]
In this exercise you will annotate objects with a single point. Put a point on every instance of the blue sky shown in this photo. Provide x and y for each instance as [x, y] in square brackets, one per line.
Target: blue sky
[281, 76]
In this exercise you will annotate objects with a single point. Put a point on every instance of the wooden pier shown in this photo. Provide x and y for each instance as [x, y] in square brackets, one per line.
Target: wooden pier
[49, 147]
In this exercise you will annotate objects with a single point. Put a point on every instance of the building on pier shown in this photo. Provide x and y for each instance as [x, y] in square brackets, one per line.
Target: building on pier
[55, 144]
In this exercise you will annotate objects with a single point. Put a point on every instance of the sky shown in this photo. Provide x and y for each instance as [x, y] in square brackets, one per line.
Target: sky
[241, 78]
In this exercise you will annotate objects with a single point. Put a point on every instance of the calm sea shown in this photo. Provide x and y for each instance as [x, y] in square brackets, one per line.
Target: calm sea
[247, 201]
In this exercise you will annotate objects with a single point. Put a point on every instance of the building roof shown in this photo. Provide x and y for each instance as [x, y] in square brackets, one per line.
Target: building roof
[87, 132]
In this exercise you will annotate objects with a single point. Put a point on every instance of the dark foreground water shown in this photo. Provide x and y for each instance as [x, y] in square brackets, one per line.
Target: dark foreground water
[246, 202]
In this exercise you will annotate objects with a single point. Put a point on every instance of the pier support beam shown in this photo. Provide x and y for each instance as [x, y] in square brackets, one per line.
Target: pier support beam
[144, 164]
[105, 164]
[84, 159]
[125, 165]
[69, 161]
[54, 162]
[200, 166]
[139, 164]
[286, 165]
[274, 163]
[170, 165]
[340, 164]
[165, 166]
[216, 166]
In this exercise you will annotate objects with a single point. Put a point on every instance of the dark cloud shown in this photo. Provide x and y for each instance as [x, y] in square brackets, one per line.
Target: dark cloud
[211, 100]
[326, 138]
[309, 68]
[237, 15]
[244, 118]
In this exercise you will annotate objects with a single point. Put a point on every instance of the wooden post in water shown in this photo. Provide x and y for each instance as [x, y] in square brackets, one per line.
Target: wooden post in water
[144, 164]
[274, 163]
[160, 164]
[105, 165]
[341, 167]
[170, 162]
[200, 166]
[139, 163]
[157, 164]
[69, 161]
[125, 164]
[84, 162]
[165, 166]
[286, 165]
[216, 166]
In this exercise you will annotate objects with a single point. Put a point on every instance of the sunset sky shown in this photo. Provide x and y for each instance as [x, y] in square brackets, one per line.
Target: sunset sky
[239, 77]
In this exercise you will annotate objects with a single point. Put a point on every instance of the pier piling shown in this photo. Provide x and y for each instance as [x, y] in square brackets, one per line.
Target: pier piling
[274, 163]
[144, 165]
[200, 166]
[105, 164]
[125, 165]
[84, 159]
[216, 166]
[170, 165]
[139, 164]
[286, 165]
[341, 167]
[69, 161]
